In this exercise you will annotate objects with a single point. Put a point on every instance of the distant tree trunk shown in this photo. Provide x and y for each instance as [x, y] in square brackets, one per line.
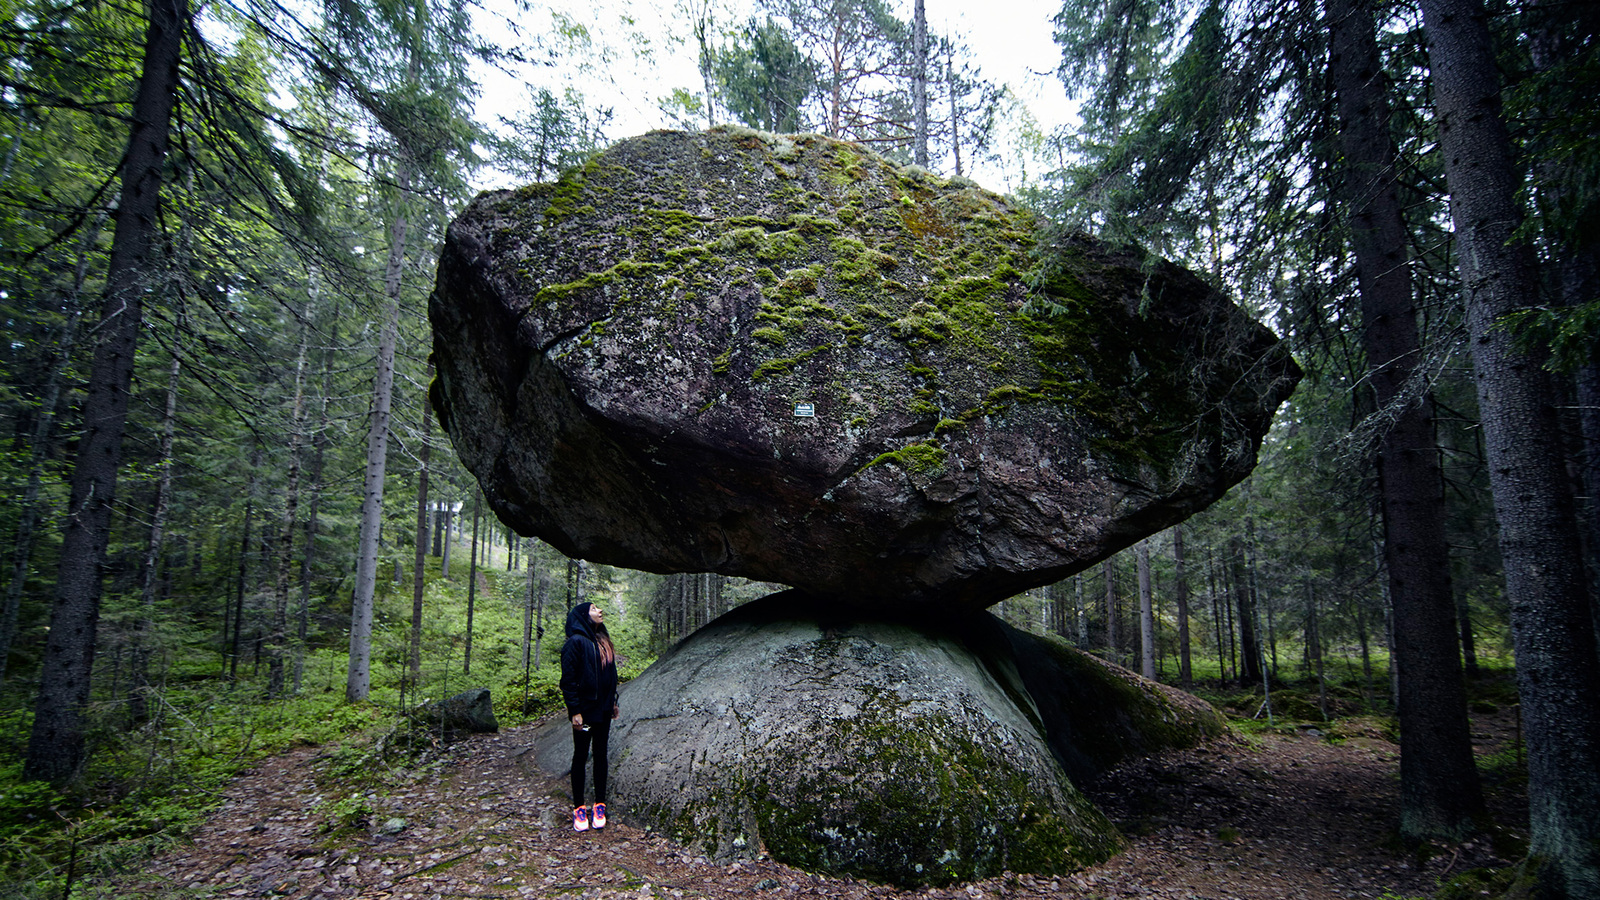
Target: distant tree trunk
[1249, 652]
[1438, 778]
[1109, 570]
[319, 444]
[56, 746]
[1147, 615]
[1551, 621]
[1080, 612]
[1469, 647]
[437, 512]
[152, 558]
[358, 679]
[1362, 634]
[955, 108]
[472, 583]
[1229, 613]
[1314, 647]
[1180, 590]
[449, 511]
[702, 27]
[38, 442]
[419, 569]
[919, 82]
[244, 566]
[527, 625]
[278, 645]
[538, 619]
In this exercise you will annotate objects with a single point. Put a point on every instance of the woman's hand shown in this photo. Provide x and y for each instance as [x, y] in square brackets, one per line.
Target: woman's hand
[616, 711]
[577, 720]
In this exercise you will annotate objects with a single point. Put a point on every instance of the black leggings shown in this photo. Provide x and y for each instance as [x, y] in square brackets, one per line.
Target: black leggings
[599, 734]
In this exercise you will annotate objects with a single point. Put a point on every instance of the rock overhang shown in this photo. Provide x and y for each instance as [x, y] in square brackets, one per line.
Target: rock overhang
[786, 358]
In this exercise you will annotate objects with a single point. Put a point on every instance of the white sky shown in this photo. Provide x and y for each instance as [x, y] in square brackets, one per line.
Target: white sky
[1010, 41]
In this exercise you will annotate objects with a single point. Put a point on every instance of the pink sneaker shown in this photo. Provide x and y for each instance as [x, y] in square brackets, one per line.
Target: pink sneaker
[599, 815]
[580, 819]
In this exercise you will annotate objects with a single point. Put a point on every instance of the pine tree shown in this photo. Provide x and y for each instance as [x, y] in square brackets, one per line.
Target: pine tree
[1557, 672]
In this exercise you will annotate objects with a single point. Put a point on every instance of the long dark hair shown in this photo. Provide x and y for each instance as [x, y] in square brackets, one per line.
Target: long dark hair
[602, 640]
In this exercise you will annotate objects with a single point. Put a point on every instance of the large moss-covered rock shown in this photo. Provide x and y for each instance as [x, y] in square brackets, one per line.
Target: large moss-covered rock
[624, 358]
[873, 747]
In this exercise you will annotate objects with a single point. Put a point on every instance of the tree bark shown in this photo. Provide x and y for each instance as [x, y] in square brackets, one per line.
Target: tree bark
[1109, 570]
[1439, 791]
[1544, 571]
[919, 82]
[419, 568]
[472, 584]
[1249, 666]
[278, 645]
[56, 746]
[1147, 615]
[1180, 590]
[955, 110]
[527, 625]
[358, 678]
[319, 443]
[28, 510]
[152, 558]
[244, 566]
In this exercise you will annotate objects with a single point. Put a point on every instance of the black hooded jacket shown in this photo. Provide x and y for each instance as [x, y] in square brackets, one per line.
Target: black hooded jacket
[587, 685]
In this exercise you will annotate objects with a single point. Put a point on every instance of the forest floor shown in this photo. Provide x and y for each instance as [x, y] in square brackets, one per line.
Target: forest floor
[1269, 817]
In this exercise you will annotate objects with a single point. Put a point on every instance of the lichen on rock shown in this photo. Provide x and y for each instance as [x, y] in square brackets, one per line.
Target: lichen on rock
[621, 355]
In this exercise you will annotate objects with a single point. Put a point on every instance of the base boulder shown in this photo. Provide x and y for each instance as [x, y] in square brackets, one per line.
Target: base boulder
[877, 749]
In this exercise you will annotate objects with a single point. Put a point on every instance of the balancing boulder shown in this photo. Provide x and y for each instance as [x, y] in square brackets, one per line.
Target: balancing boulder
[786, 358]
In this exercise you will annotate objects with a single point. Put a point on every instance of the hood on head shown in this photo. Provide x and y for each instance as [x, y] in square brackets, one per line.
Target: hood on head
[578, 621]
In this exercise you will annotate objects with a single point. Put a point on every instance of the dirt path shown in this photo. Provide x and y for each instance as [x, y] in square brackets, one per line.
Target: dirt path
[1283, 816]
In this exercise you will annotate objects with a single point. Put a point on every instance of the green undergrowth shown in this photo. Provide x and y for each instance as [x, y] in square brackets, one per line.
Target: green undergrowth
[148, 784]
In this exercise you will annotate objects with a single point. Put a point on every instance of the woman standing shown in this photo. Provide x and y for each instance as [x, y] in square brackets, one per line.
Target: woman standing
[589, 688]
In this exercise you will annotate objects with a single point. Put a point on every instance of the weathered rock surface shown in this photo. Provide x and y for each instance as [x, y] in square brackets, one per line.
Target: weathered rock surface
[878, 749]
[622, 356]
[469, 712]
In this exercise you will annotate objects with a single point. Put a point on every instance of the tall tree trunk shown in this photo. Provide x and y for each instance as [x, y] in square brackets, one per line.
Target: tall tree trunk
[538, 618]
[1147, 614]
[1249, 665]
[702, 27]
[152, 559]
[278, 642]
[1439, 792]
[527, 626]
[358, 679]
[448, 509]
[38, 449]
[955, 109]
[419, 569]
[1314, 646]
[1469, 646]
[244, 565]
[56, 746]
[472, 584]
[319, 443]
[1080, 612]
[919, 82]
[1180, 590]
[1109, 570]
[1553, 632]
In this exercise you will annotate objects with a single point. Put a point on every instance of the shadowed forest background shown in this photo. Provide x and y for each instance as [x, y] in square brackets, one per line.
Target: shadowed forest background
[232, 526]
